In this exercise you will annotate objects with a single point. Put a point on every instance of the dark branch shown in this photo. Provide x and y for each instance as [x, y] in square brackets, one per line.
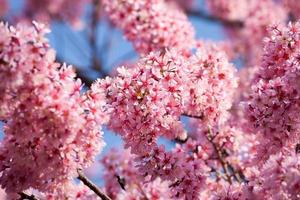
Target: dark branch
[224, 165]
[24, 196]
[91, 185]
[84, 77]
[297, 149]
[121, 181]
[96, 63]
[203, 15]
[192, 116]
[228, 169]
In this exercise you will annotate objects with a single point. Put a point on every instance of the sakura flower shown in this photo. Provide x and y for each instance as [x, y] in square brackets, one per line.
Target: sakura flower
[152, 25]
[48, 132]
[272, 107]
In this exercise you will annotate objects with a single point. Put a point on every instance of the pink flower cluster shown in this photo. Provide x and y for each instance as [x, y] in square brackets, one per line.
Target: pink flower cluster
[66, 10]
[210, 85]
[145, 102]
[70, 191]
[228, 9]
[278, 179]
[123, 180]
[151, 25]
[256, 16]
[49, 129]
[273, 105]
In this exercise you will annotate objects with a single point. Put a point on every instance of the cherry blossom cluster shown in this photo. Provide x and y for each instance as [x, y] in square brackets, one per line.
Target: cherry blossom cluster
[162, 87]
[46, 10]
[151, 25]
[49, 129]
[278, 179]
[181, 167]
[146, 102]
[228, 9]
[123, 180]
[211, 84]
[273, 107]
[70, 191]
[256, 16]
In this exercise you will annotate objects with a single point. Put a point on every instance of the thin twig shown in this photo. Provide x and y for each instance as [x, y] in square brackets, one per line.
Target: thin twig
[91, 185]
[24, 196]
[219, 154]
[97, 65]
[193, 116]
[203, 15]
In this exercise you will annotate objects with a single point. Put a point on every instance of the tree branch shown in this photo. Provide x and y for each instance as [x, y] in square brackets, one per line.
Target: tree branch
[91, 185]
[24, 196]
[203, 15]
[209, 137]
[192, 116]
[96, 63]
[238, 176]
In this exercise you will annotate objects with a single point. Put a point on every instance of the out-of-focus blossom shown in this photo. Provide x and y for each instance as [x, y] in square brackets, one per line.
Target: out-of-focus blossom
[293, 6]
[3, 7]
[229, 9]
[256, 16]
[69, 190]
[47, 10]
[152, 25]
[278, 179]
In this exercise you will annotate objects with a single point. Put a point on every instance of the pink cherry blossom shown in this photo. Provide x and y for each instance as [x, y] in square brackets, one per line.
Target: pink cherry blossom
[49, 130]
[151, 25]
[256, 16]
[272, 107]
[146, 102]
[121, 171]
[211, 83]
[66, 10]
[278, 179]
[228, 9]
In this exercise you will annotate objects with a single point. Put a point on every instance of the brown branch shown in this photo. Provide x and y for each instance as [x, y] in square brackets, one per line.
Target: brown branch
[237, 175]
[91, 185]
[192, 116]
[297, 148]
[224, 164]
[203, 15]
[24, 196]
[97, 64]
